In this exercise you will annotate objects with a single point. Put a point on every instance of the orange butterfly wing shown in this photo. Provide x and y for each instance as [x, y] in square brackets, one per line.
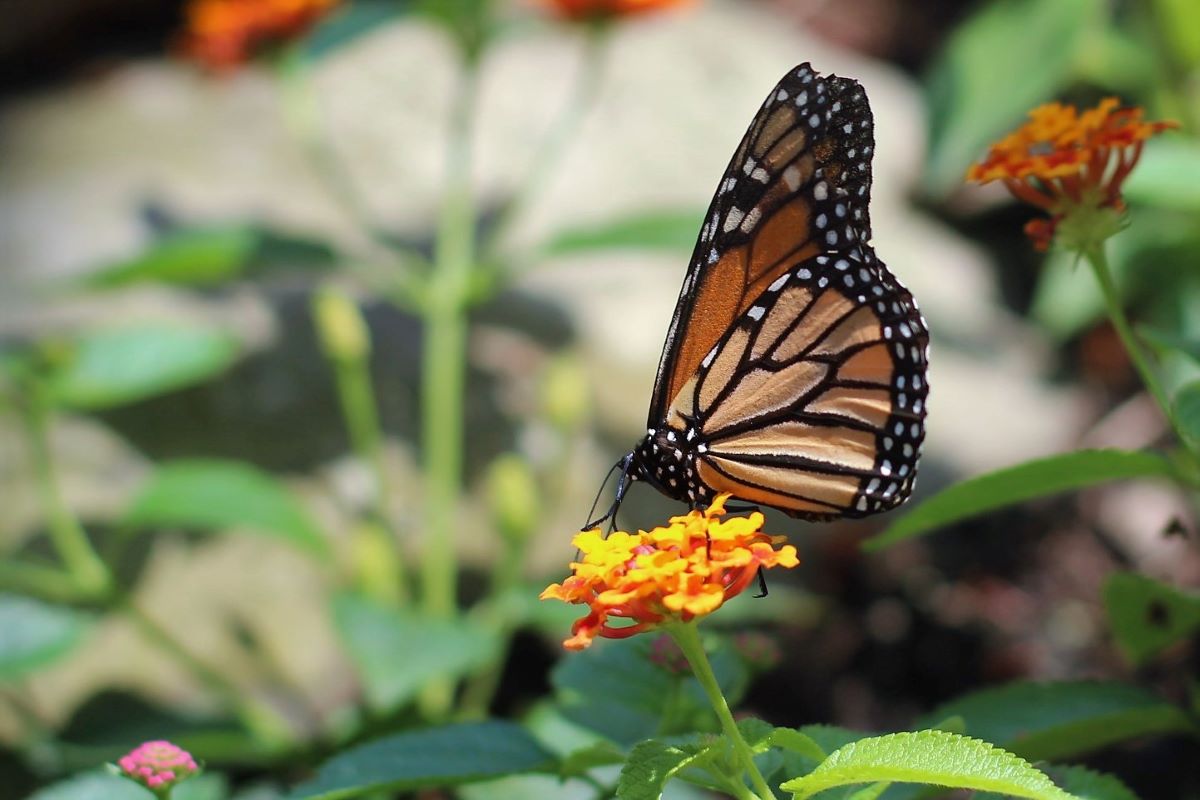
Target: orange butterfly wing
[806, 154]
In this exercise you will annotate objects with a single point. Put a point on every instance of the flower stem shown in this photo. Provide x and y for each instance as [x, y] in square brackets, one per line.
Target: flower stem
[1099, 261]
[557, 140]
[443, 363]
[687, 636]
[89, 572]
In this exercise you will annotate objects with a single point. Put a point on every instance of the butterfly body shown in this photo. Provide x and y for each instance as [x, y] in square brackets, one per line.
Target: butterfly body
[794, 371]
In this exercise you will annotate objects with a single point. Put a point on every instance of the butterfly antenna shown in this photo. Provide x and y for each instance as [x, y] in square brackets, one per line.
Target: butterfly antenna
[622, 485]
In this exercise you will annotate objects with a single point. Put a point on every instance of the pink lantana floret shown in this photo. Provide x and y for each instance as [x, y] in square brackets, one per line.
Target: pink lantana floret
[158, 764]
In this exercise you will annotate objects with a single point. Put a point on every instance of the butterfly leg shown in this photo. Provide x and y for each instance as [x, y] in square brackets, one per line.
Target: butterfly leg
[762, 585]
[623, 482]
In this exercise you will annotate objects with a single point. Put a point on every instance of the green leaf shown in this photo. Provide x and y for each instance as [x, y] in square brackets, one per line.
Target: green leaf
[206, 786]
[798, 742]
[114, 367]
[1008, 58]
[598, 754]
[614, 689]
[34, 635]
[1059, 720]
[870, 792]
[188, 257]
[213, 495]
[1166, 343]
[383, 643]
[1147, 616]
[931, 757]
[650, 765]
[1032, 479]
[652, 230]
[1179, 24]
[447, 756]
[1185, 406]
[94, 786]
[349, 23]
[1089, 785]
[1164, 175]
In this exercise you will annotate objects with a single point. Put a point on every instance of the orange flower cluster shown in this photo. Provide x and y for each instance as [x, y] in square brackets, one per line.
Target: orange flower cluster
[222, 34]
[602, 9]
[1063, 160]
[676, 573]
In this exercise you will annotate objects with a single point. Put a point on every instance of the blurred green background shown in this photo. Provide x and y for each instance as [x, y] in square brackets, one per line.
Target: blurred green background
[186, 261]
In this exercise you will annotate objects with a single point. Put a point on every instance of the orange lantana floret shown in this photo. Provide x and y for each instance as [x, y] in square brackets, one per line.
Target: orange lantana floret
[676, 573]
[1062, 160]
[601, 9]
[224, 33]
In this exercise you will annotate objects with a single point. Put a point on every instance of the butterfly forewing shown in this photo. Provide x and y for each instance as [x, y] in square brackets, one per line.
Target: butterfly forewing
[797, 185]
[794, 369]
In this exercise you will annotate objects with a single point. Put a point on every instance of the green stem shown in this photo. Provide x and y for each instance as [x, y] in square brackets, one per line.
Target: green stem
[558, 139]
[257, 718]
[495, 614]
[37, 580]
[84, 564]
[443, 364]
[1099, 261]
[687, 636]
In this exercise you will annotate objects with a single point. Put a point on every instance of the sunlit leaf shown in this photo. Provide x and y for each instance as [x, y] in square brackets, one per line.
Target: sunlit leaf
[381, 642]
[1032, 479]
[1061, 720]
[108, 368]
[1147, 616]
[431, 757]
[213, 495]
[931, 757]
[34, 635]
[651, 764]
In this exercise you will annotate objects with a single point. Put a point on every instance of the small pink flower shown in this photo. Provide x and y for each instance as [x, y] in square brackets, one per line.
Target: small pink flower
[158, 765]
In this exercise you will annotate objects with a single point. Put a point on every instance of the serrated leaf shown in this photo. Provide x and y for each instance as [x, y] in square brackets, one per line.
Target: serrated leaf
[380, 641]
[1027, 481]
[34, 635]
[93, 786]
[447, 756]
[972, 92]
[1147, 616]
[1047, 721]
[649, 766]
[652, 230]
[215, 495]
[931, 757]
[114, 367]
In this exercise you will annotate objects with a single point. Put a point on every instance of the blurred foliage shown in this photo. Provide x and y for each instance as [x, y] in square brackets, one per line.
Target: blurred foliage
[427, 680]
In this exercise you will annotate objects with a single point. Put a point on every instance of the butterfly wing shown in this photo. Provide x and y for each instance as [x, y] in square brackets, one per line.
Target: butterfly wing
[814, 400]
[798, 185]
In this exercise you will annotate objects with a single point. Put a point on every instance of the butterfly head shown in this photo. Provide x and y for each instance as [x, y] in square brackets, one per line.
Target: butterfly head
[666, 459]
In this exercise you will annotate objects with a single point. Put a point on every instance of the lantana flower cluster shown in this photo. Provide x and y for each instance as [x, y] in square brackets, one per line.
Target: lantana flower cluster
[676, 573]
[158, 765]
[1070, 164]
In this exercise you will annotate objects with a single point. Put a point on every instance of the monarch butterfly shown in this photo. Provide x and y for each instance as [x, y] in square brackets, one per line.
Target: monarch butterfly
[793, 373]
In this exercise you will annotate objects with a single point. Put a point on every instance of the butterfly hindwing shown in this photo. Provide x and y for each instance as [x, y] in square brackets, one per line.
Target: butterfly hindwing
[798, 185]
[814, 400]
